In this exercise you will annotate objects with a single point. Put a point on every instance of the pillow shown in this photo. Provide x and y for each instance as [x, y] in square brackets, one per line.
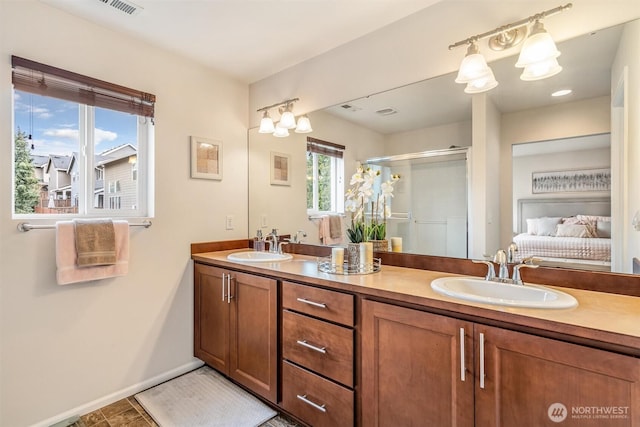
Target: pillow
[532, 226]
[603, 229]
[573, 230]
[547, 226]
[571, 220]
[592, 219]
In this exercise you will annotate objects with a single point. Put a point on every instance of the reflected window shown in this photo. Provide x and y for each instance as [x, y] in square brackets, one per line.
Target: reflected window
[325, 176]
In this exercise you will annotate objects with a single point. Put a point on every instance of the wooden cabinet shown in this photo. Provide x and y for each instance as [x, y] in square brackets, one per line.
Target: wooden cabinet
[411, 368]
[530, 380]
[318, 355]
[425, 369]
[235, 326]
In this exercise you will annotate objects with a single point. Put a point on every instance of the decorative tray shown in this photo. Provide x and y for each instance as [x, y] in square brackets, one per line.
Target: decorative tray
[325, 266]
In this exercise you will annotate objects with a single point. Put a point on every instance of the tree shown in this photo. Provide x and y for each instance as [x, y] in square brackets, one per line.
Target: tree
[27, 189]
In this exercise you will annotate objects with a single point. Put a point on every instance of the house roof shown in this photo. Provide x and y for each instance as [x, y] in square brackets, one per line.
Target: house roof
[38, 160]
[58, 162]
[116, 153]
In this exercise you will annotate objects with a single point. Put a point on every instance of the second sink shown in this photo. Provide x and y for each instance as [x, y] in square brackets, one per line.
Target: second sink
[258, 256]
[478, 290]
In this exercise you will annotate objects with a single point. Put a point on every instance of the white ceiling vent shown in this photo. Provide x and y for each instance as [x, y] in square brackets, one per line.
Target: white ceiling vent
[387, 111]
[350, 107]
[123, 6]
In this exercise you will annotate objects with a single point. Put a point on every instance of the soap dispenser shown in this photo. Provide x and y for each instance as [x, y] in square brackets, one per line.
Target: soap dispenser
[258, 241]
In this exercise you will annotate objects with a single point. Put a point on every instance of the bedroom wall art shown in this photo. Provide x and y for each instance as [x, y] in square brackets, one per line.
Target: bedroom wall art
[571, 181]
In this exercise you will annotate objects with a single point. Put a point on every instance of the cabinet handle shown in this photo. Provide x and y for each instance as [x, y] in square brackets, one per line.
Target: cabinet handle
[224, 296]
[304, 343]
[313, 303]
[462, 367]
[481, 360]
[229, 296]
[309, 402]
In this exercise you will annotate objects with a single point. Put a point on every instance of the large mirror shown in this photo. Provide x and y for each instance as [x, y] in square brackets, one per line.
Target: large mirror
[436, 116]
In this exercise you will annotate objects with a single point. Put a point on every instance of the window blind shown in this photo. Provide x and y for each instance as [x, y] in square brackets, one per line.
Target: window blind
[34, 77]
[324, 147]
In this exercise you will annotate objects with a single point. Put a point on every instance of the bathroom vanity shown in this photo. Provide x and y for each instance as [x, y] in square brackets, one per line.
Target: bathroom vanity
[385, 349]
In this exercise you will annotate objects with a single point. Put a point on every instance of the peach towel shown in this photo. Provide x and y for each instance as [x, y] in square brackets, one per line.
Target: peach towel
[66, 257]
[330, 230]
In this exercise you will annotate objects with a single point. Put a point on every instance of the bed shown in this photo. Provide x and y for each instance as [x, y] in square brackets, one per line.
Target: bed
[565, 232]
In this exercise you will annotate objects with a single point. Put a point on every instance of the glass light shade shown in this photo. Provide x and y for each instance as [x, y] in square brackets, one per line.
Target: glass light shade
[266, 124]
[304, 125]
[473, 66]
[288, 120]
[281, 132]
[538, 47]
[541, 70]
[482, 83]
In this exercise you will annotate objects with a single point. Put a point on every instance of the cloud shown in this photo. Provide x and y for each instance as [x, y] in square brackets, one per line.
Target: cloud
[104, 135]
[62, 133]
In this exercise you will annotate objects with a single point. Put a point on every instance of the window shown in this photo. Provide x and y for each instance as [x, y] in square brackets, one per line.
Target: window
[77, 137]
[325, 176]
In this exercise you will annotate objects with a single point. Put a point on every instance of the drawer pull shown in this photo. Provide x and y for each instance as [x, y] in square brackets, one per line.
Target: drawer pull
[313, 303]
[308, 402]
[304, 343]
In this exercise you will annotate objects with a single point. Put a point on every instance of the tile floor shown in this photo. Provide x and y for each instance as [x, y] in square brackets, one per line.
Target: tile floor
[128, 412]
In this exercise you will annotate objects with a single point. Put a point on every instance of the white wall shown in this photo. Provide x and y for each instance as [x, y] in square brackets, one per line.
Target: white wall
[627, 61]
[285, 206]
[431, 138]
[586, 117]
[415, 48]
[69, 349]
[524, 166]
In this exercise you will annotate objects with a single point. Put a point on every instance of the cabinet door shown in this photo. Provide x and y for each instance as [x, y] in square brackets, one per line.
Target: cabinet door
[253, 336]
[411, 368]
[538, 381]
[211, 323]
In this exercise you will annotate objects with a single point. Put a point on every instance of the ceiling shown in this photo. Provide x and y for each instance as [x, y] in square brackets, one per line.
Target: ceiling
[586, 62]
[247, 39]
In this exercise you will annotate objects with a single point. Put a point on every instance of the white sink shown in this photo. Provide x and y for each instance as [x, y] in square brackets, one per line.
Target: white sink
[257, 256]
[479, 290]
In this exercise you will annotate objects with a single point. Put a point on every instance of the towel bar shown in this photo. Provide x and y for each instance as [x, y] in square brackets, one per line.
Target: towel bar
[25, 226]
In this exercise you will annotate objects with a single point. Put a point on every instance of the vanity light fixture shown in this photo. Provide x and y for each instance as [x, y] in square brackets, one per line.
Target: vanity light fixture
[287, 120]
[538, 56]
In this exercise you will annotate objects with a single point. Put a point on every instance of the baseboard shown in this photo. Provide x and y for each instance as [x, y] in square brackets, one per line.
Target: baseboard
[120, 394]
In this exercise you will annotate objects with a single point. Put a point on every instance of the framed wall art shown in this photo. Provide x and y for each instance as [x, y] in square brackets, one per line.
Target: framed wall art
[206, 158]
[571, 181]
[280, 169]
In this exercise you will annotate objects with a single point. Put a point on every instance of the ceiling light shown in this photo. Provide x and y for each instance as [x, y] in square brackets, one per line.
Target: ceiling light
[281, 132]
[266, 124]
[287, 120]
[475, 72]
[537, 57]
[304, 125]
[562, 92]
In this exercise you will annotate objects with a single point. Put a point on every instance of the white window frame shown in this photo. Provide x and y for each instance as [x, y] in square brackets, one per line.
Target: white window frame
[337, 185]
[86, 166]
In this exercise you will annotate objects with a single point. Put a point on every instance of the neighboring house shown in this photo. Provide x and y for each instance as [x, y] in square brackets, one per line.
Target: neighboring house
[114, 180]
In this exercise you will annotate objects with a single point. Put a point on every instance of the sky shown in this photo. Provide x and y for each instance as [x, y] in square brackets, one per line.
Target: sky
[53, 125]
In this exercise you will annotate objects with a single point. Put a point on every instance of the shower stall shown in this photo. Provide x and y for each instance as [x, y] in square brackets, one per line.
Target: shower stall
[429, 209]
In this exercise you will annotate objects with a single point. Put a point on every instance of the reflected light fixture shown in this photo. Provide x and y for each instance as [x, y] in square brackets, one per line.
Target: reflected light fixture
[562, 92]
[304, 125]
[287, 120]
[538, 55]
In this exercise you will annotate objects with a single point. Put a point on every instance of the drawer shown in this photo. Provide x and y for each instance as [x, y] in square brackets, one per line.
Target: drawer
[320, 346]
[315, 400]
[330, 305]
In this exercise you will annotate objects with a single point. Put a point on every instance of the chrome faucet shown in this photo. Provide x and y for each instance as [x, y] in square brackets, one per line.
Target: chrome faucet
[500, 258]
[511, 252]
[273, 238]
[296, 239]
[517, 279]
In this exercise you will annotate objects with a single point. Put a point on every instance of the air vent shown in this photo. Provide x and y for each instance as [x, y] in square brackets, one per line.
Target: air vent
[123, 6]
[387, 111]
[350, 107]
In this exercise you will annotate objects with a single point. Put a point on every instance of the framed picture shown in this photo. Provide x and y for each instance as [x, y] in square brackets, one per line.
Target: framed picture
[571, 181]
[206, 158]
[280, 169]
